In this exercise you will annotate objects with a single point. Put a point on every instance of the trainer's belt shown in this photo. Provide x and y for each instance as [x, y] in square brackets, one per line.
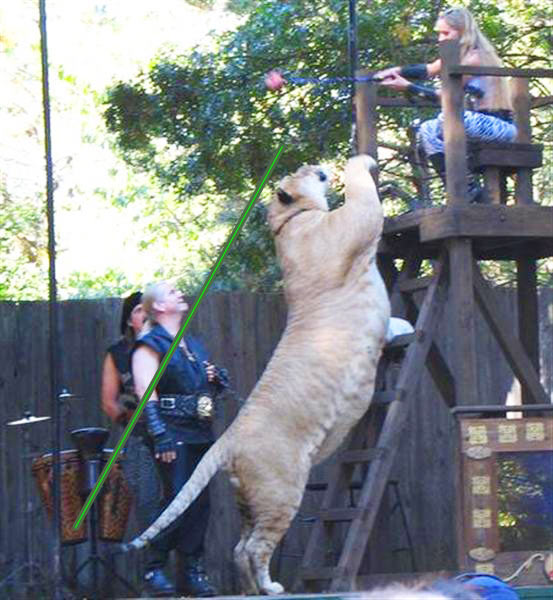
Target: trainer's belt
[186, 407]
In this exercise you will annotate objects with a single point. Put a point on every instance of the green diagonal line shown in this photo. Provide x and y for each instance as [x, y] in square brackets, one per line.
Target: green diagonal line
[171, 351]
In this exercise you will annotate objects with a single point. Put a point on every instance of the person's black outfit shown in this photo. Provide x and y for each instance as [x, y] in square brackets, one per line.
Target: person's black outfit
[176, 423]
[120, 352]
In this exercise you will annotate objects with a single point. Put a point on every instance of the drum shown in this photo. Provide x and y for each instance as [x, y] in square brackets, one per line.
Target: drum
[114, 501]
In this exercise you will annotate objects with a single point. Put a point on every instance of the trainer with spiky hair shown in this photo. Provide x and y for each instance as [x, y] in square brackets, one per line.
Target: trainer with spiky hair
[178, 419]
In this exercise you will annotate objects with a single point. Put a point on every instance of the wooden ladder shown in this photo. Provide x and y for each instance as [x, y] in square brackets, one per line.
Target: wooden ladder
[373, 451]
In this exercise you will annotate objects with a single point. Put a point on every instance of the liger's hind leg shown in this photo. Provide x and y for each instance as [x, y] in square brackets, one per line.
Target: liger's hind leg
[241, 558]
[267, 533]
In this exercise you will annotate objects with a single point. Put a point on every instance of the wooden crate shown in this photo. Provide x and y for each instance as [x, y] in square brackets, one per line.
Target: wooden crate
[505, 513]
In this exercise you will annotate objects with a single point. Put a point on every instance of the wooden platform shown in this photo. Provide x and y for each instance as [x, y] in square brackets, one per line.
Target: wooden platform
[525, 593]
[498, 232]
[345, 596]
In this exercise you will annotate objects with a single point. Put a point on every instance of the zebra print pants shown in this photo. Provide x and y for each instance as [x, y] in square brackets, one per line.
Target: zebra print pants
[478, 127]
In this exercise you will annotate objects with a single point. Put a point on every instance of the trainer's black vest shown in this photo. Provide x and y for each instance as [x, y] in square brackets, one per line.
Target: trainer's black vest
[183, 375]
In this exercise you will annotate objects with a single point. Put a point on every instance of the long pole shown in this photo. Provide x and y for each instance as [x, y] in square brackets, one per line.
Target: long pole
[352, 52]
[352, 44]
[52, 306]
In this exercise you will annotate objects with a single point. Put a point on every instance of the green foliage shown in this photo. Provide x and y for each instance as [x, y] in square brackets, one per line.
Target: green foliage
[23, 249]
[205, 4]
[113, 283]
[204, 124]
[525, 500]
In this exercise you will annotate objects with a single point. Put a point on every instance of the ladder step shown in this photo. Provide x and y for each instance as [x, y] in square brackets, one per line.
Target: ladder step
[401, 341]
[313, 573]
[362, 455]
[337, 515]
[416, 284]
[321, 486]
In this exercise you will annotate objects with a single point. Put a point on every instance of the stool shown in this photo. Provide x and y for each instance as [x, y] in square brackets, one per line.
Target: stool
[496, 161]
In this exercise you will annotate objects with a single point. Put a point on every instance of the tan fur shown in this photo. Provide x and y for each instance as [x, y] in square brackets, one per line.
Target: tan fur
[320, 379]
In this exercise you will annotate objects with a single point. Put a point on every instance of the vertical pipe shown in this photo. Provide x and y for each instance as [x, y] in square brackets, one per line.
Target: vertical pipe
[352, 44]
[52, 303]
[352, 51]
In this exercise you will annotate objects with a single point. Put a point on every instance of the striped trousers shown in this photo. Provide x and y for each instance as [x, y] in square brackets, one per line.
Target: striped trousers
[478, 127]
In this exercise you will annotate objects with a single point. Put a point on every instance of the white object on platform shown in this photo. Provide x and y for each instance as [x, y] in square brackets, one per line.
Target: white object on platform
[396, 327]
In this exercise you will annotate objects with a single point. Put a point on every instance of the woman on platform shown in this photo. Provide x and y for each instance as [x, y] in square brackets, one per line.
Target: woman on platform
[489, 117]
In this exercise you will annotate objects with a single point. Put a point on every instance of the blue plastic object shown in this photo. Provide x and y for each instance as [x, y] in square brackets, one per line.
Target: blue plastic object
[489, 587]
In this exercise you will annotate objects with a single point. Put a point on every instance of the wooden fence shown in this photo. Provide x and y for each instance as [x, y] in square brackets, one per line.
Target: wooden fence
[240, 331]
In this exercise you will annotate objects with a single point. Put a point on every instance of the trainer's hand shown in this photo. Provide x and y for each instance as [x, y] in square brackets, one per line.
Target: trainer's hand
[210, 371]
[395, 82]
[380, 76]
[164, 448]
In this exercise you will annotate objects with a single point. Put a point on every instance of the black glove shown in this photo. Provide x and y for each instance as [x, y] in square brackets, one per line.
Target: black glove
[221, 378]
[163, 442]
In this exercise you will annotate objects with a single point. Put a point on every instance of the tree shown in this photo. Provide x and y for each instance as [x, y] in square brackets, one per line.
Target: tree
[22, 247]
[99, 204]
[203, 123]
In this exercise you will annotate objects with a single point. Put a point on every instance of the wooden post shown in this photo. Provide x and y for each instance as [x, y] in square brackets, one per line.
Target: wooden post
[528, 315]
[461, 288]
[521, 107]
[454, 129]
[494, 181]
[527, 283]
[365, 116]
[461, 297]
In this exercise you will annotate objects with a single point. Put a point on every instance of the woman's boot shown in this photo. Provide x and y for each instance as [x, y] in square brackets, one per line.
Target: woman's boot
[475, 191]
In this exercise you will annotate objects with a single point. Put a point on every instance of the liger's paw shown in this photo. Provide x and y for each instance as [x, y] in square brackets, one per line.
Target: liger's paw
[273, 589]
[363, 161]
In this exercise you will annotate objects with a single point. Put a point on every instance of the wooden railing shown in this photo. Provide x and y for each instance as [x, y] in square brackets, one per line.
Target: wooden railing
[367, 99]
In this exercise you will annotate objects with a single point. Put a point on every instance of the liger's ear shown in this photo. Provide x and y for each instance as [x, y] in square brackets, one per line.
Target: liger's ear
[284, 197]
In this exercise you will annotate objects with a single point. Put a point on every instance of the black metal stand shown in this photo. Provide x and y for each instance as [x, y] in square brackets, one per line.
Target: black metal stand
[90, 442]
[29, 577]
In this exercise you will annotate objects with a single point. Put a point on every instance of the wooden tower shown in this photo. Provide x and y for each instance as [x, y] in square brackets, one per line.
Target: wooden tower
[454, 238]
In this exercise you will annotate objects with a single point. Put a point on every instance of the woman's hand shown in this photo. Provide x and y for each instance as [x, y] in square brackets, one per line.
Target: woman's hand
[395, 82]
[380, 76]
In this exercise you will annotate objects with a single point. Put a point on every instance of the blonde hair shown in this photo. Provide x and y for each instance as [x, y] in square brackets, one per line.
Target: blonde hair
[471, 38]
[152, 294]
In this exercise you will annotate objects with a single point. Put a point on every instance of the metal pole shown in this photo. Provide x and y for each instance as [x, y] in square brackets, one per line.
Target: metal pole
[352, 52]
[352, 44]
[52, 308]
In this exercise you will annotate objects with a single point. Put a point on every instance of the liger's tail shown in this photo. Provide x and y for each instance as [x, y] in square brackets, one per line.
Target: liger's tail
[214, 459]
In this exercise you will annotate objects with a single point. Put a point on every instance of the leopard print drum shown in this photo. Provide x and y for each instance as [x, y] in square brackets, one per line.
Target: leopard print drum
[114, 501]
